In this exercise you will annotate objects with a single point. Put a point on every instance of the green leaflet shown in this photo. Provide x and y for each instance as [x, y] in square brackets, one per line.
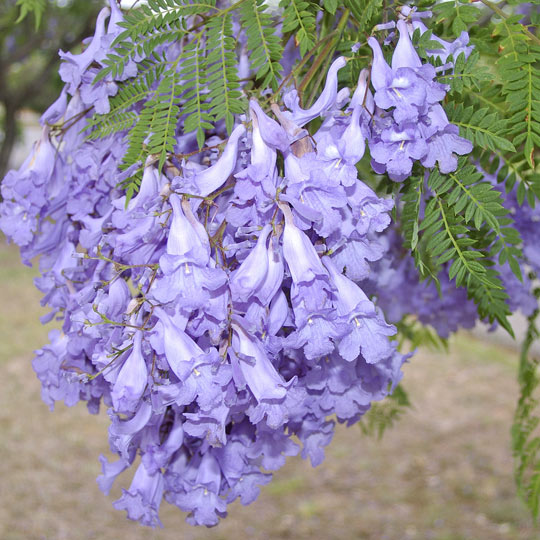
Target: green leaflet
[367, 13]
[120, 117]
[224, 98]
[149, 27]
[479, 203]
[484, 128]
[460, 13]
[467, 74]
[466, 228]
[299, 18]
[193, 73]
[450, 239]
[165, 116]
[263, 44]
[517, 68]
[36, 7]
[412, 195]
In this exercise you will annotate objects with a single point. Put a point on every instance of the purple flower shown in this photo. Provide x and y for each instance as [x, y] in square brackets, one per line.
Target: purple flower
[110, 472]
[143, 498]
[274, 274]
[368, 332]
[250, 275]
[454, 48]
[253, 368]
[49, 366]
[182, 353]
[122, 433]
[212, 178]
[187, 237]
[326, 100]
[158, 456]
[56, 111]
[405, 54]
[197, 490]
[415, 126]
[131, 380]
[302, 259]
[352, 143]
[74, 65]
[442, 148]
[396, 149]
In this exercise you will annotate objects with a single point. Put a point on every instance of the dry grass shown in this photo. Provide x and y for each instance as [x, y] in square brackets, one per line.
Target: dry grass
[444, 472]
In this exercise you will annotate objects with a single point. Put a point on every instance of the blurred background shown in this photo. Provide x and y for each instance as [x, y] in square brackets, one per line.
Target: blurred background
[443, 472]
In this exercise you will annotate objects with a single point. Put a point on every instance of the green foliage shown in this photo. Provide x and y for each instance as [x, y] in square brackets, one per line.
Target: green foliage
[479, 203]
[331, 6]
[517, 69]
[165, 111]
[224, 99]
[484, 128]
[459, 13]
[36, 7]
[197, 88]
[514, 170]
[468, 74]
[149, 27]
[385, 414]
[121, 117]
[299, 18]
[367, 13]
[412, 196]
[465, 229]
[193, 73]
[263, 44]
[525, 436]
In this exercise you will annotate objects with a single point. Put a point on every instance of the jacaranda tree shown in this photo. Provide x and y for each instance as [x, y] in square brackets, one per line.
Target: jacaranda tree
[244, 210]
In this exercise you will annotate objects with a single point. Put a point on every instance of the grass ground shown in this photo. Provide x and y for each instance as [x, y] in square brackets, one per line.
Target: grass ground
[443, 473]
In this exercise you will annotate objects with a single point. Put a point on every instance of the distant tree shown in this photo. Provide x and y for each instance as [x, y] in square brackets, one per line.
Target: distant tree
[29, 44]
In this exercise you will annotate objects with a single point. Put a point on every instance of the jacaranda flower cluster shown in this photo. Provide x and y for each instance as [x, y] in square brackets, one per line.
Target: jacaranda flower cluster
[227, 314]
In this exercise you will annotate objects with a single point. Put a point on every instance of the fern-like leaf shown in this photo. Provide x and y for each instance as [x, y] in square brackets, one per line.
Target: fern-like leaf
[262, 43]
[520, 83]
[385, 414]
[367, 13]
[515, 171]
[459, 13]
[450, 240]
[193, 75]
[482, 127]
[478, 202]
[467, 73]
[149, 27]
[299, 18]
[121, 115]
[164, 121]
[221, 71]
